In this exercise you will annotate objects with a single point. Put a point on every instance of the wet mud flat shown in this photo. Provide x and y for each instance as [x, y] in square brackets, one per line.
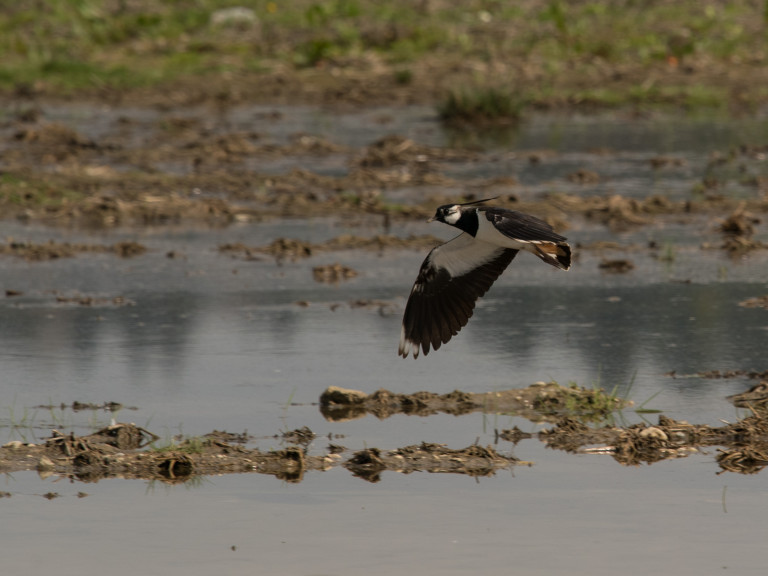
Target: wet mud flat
[123, 450]
[128, 167]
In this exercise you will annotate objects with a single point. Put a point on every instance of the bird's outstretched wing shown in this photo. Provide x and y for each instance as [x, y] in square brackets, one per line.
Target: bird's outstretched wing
[452, 277]
[520, 226]
[539, 236]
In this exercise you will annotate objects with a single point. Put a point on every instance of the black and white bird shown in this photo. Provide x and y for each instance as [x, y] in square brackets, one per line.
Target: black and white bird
[455, 274]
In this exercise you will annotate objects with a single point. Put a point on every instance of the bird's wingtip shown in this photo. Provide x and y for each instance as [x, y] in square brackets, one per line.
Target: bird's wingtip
[407, 346]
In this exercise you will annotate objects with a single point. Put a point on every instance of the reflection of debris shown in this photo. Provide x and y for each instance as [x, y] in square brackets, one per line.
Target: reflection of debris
[473, 461]
[333, 273]
[619, 266]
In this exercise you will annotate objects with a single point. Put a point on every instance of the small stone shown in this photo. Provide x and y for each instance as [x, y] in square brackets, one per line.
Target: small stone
[654, 432]
[45, 463]
[344, 396]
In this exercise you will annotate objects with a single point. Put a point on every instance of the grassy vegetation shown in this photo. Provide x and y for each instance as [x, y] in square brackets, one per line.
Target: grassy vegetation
[606, 52]
[488, 105]
[192, 445]
[28, 191]
[586, 404]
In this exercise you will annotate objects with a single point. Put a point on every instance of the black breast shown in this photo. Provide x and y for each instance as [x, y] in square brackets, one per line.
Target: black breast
[468, 222]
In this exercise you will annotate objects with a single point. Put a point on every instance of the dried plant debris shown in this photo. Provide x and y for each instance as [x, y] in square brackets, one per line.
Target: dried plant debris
[78, 406]
[658, 162]
[292, 249]
[584, 176]
[394, 150]
[745, 460]
[129, 451]
[513, 435]
[740, 223]
[756, 397]
[35, 252]
[333, 273]
[617, 266]
[717, 374]
[746, 441]
[95, 301]
[302, 436]
[616, 211]
[737, 231]
[229, 437]
[756, 302]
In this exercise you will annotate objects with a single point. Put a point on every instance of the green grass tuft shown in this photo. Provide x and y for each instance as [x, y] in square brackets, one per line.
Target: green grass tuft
[480, 106]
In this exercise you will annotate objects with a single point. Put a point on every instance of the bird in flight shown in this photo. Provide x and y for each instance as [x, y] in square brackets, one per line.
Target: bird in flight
[455, 274]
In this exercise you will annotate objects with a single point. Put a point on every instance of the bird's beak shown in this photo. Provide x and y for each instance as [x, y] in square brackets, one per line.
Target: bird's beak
[431, 219]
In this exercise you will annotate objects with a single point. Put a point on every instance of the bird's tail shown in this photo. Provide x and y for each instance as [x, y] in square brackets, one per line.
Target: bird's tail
[557, 254]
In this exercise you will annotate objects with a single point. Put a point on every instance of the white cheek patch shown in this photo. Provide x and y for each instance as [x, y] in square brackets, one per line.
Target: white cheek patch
[453, 217]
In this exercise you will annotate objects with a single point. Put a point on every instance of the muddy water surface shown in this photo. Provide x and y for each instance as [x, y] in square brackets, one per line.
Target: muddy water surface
[189, 339]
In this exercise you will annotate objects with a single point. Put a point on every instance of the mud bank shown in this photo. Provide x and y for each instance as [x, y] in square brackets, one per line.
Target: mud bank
[128, 451]
[539, 402]
[121, 451]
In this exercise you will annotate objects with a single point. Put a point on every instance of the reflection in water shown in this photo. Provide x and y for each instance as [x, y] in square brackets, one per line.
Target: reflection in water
[186, 348]
[618, 332]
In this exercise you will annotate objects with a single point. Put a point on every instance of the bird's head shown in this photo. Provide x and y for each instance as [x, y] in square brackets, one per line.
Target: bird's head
[450, 213]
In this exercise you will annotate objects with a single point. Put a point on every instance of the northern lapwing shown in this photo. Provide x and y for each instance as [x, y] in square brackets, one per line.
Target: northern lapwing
[455, 274]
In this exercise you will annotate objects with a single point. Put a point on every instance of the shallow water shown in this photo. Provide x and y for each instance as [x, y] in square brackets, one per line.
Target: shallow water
[213, 342]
